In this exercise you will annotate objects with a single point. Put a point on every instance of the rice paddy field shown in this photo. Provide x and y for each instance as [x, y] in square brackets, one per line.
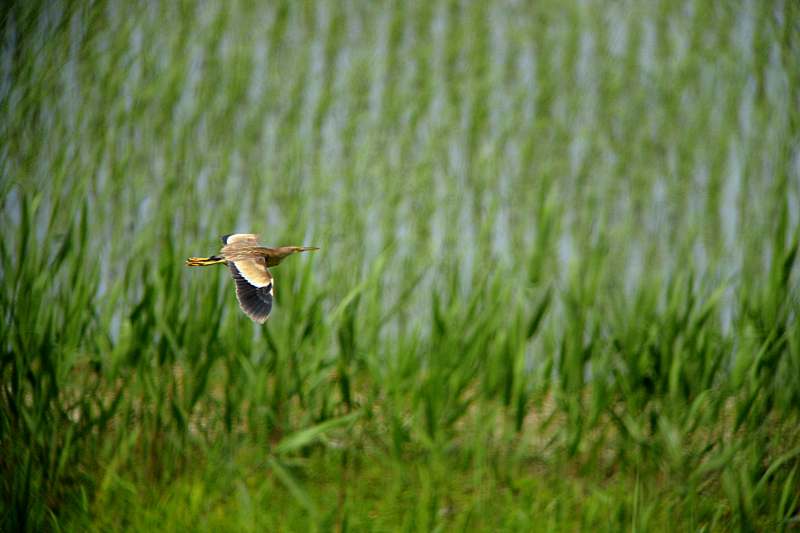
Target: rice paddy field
[558, 285]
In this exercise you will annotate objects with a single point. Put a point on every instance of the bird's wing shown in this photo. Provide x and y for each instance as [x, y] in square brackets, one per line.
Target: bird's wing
[244, 238]
[240, 246]
[253, 287]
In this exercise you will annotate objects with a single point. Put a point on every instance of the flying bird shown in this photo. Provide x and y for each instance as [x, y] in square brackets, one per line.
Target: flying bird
[248, 262]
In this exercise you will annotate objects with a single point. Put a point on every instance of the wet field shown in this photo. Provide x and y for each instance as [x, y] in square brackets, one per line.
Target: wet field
[555, 237]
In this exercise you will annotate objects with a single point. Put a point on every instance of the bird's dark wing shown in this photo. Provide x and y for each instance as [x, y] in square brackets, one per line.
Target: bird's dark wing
[253, 288]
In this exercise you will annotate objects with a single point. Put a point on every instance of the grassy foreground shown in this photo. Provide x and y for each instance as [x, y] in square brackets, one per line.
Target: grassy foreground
[557, 286]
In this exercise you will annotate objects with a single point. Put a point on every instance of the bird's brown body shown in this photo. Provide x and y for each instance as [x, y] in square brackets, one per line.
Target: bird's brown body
[248, 263]
[272, 256]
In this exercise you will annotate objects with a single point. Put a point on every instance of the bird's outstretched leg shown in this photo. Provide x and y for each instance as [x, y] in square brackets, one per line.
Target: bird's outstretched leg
[204, 261]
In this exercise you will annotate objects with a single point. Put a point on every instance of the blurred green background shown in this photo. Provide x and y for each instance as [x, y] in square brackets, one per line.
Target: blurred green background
[557, 286]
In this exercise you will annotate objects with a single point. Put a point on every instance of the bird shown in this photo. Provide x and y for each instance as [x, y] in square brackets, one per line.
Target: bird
[249, 264]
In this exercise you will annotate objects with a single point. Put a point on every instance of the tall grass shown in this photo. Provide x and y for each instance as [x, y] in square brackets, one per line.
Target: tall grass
[558, 276]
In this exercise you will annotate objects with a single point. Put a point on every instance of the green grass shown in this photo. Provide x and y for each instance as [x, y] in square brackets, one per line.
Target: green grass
[557, 286]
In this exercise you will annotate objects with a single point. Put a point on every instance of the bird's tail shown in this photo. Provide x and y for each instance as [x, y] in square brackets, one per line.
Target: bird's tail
[204, 261]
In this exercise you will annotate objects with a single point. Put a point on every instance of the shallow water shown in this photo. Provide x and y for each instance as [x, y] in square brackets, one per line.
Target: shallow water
[449, 131]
